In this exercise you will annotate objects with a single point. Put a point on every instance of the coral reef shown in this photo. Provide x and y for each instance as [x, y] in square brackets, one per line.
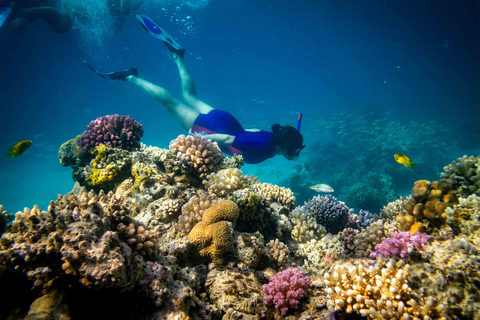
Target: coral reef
[212, 236]
[400, 244]
[114, 131]
[316, 255]
[361, 195]
[278, 252]
[464, 173]
[286, 289]
[108, 164]
[196, 154]
[305, 227]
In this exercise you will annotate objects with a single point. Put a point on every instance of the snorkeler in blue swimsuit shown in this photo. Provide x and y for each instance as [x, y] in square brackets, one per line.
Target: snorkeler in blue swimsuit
[198, 117]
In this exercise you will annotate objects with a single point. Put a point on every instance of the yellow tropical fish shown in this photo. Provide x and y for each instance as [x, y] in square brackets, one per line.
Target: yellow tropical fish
[322, 188]
[403, 159]
[19, 148]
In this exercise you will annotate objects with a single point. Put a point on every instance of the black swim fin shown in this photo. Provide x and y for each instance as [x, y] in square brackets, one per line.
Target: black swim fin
[156, 30]
[118, 75]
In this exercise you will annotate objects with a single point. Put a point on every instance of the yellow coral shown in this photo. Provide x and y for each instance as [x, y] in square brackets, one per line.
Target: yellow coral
[248, 205]
[141, 172]
[100, 173]
[212, 236]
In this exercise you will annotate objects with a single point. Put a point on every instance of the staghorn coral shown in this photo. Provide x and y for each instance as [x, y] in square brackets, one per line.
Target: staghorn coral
[200, 155]
[115, 131]
[401, 245]
[226, 181]
[193, 210]
[464, 173]
[108, 166]
[274, 193]
[329, 212]
[379, 291]
[367, 239]
[212, 236]
[305, 227]
[278, 253]
[286, 289]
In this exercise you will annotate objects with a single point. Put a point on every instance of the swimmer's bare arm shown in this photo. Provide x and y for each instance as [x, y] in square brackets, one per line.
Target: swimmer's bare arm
[222, 139]
[253, 130]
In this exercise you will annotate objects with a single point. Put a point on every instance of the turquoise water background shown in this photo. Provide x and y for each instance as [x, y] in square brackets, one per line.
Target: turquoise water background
[361, 72]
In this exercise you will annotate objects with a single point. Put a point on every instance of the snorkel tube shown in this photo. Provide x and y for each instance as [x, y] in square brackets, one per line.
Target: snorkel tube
[299, 122]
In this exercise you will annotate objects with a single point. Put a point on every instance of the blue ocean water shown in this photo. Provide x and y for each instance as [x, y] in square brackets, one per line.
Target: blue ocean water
[361, 73]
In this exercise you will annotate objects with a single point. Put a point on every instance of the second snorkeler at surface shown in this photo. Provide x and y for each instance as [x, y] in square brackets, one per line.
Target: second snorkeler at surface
[198, 117]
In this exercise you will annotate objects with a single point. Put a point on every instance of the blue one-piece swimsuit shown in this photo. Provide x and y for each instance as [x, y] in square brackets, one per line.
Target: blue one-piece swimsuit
[254, 147]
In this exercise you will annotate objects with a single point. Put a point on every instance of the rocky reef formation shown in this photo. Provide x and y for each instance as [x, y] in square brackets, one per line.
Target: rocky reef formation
[182, 233]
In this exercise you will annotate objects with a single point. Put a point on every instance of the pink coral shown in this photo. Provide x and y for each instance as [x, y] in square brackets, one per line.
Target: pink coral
[285, 289]
[400, 244]
[115, 131]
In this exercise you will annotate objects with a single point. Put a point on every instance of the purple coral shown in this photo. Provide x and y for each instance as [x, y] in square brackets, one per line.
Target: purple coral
[285, 289]
[400, 244]
[329, 212]
[115, 131]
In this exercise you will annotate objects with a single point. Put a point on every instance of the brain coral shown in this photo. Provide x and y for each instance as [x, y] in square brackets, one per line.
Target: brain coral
[212, 236]
[114, 131]
[198, 153]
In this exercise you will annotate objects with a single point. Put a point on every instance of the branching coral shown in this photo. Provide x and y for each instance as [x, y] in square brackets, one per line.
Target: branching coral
[201, 155]
[226, 181]
[114, 131]
[193, 210]
[328, 211]
[278, 252]
[400, 245]
[316, 255]
[378, 291]
[305, 227]
[275, 193]
[286, 289]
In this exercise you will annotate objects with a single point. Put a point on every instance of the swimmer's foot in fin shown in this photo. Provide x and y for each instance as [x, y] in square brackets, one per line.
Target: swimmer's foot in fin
[158, 32]
[118, 75]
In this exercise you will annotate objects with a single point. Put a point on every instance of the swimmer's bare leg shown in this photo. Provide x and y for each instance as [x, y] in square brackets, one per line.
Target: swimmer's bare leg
[184, 115]
[189, 89]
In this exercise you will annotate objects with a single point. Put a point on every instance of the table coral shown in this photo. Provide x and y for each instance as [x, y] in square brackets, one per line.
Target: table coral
[286, 289]
[200, 154]
[378, 291]
[401, 244]
[114, 131]
[212, 236]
